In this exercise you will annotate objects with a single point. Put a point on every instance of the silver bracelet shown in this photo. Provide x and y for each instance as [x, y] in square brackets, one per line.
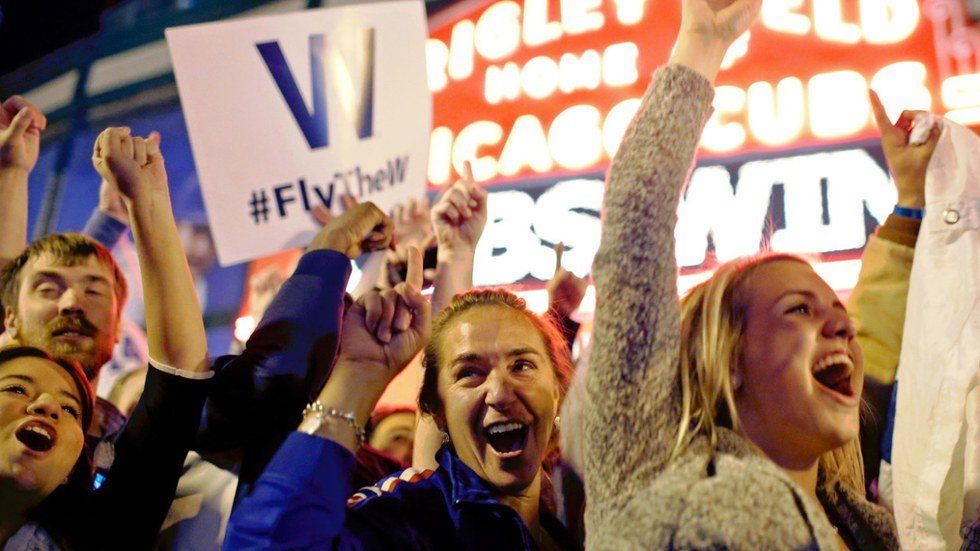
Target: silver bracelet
[316, 408]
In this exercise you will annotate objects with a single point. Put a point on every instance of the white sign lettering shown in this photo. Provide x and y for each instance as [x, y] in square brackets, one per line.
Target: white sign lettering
[823, 201]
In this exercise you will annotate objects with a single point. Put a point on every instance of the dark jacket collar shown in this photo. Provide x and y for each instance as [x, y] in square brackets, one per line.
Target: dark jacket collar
[464, 484]
[466, 488]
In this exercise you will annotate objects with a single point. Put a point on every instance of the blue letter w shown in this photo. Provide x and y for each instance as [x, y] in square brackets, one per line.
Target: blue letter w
[314, 125]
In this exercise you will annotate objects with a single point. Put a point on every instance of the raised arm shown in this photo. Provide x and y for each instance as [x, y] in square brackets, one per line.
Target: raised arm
[21, 125]
[258, 395]
[565, 294]
[110, 219]
[299, 502]
[632, 380]
[150, 451]
[879, 297]
[458, 218]
[174, 327]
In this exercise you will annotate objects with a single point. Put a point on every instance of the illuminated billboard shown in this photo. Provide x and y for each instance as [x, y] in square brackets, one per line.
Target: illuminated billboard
[538, 94]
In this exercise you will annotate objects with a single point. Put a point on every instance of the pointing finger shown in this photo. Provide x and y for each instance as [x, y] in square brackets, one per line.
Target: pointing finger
[881, 116]
[414, 275]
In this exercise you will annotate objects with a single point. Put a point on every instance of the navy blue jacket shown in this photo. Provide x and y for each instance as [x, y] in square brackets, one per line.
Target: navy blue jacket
[301, 502]
[257, 397]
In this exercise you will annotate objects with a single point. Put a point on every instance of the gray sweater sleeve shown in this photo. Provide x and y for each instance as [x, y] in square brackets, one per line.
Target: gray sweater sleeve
[631, 424]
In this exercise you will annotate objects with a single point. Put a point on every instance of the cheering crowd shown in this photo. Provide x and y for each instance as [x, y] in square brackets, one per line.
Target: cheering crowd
[731, 418]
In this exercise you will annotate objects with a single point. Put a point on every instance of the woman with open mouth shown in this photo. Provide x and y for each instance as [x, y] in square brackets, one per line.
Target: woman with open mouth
[729, 420]
[48, 498]
[495, 374]
[46, 406]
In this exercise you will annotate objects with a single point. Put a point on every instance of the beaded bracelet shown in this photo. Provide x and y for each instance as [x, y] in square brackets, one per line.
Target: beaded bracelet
[316, 408]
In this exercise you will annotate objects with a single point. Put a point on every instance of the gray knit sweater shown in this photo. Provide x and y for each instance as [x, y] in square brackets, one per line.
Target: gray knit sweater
[738, 500]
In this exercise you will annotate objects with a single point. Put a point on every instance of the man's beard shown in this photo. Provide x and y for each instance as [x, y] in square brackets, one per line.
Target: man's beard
[91, 354]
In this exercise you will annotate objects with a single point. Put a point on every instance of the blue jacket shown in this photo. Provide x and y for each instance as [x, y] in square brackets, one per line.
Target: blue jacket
[301, 502]
[257, 397]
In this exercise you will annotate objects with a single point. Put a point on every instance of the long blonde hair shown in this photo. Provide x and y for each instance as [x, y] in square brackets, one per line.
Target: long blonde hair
[712, 327]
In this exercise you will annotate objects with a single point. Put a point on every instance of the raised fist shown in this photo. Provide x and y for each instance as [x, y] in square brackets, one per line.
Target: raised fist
[361, 228]
[460, 214]
[131, 164]
[718, 21]
[21, 125]
[322, 215]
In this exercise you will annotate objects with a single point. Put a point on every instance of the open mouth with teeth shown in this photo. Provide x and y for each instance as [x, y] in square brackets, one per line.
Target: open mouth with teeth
[507, 439]
[834, 373]
[36, 437]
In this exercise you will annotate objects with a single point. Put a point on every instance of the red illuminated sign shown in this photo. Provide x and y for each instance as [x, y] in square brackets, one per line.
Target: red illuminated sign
[548, 86]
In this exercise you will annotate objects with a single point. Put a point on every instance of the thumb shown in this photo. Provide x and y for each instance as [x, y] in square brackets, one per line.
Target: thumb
[153, 144]
[414, 276]
[20, 124]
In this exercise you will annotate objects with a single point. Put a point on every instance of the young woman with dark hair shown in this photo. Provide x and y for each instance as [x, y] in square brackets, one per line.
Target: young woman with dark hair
[46, 406]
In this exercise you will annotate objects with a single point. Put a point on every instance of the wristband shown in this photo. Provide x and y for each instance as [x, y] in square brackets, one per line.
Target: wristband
[916, 214]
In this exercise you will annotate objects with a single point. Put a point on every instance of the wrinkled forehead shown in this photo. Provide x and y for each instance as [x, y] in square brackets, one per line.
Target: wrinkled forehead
[490, 332]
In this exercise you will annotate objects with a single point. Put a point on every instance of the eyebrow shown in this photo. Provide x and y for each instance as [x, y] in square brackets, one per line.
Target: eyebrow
[29, 379]
[88, 278]
[810, 295]
[473, 357]
[522, 352]
[465, 357]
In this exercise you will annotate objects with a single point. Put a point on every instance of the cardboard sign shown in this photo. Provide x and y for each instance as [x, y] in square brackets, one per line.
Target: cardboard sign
[292, 111]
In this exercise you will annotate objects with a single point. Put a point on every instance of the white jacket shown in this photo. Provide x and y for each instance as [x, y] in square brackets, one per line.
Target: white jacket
[935, 461]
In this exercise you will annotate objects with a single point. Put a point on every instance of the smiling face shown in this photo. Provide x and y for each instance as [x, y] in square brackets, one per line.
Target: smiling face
[801, 367]
[500, 395]
[71, 312]
[41, 434]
